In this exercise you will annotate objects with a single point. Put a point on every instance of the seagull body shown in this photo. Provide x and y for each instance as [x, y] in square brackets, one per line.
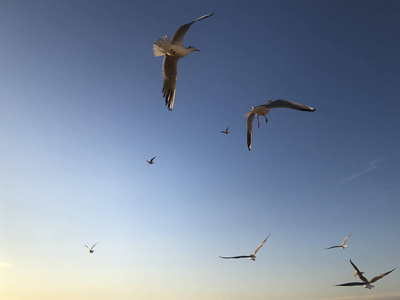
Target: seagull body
[91, 249]
[172, 50]
[226, 131]
[251, 256]
[366, 283]
[263, 110]
[151, 161]
[343, 245]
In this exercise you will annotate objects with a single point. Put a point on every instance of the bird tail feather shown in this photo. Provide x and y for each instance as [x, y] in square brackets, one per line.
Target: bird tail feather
[161, 46]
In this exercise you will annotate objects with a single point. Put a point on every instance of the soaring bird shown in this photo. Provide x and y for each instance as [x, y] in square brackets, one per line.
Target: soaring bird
[263, 110]
[343, 245]
[151, 161]
[225, 131]
[366, 283]
[251, 256]
[173, 50]
[91, 249]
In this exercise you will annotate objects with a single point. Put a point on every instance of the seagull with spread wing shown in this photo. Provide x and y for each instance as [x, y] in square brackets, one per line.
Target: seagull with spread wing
[343, 245]
[366, 283]
[173, 50]
[91, 249]
[251, 256]
[225, 131]
[263, 110]
[151, 161]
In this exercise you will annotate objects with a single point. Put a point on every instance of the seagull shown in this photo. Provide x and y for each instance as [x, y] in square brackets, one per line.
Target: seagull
[342, 246]
[151, 161]
[366, 283]
[264, 109]
[251, 256]
[91, 249]
[226, 131]
[173, 50]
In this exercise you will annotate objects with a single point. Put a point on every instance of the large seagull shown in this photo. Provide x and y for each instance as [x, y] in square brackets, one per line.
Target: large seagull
[366, 283]
[343, 245]
[263, 110]
[173, 50]
[251, 256]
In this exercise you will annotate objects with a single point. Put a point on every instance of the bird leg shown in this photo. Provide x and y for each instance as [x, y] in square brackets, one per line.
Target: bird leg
[258, 121]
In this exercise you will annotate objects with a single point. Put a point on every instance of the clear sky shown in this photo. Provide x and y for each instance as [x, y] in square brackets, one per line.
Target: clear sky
[81, 110]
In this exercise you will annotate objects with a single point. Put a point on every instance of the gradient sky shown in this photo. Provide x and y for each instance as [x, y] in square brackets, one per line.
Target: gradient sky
[82, 110]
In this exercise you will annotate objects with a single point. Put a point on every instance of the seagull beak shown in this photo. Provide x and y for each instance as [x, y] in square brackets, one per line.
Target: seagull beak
[196, 49]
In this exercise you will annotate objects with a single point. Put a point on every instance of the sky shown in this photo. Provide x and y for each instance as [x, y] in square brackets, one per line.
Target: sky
[82, 111]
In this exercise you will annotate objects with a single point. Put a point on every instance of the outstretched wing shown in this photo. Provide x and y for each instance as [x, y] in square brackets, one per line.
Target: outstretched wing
[229, 257]
[94, 245]
[177, 39]
[360, 275]
[332, 247]
[376, 278]
[170, 73]
[344, 241]
[350, 284]
[262, 244]
[250, 120]
[153, 158]
[86, 246]
[280, 103]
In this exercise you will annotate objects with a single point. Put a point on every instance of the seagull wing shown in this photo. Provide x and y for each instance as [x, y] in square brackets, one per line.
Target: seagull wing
[242, 256]
[153, 158]
[332, 247]
[86, 246]
[376, 278]
[250, 120]
[177, 39]
[360, 275]
[262, 244]
[170, 73]
[94, 245]
[280, 103]
[344, 241]
[351, 284]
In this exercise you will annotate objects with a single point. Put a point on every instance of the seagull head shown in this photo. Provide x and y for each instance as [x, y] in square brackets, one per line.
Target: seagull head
[344, 246]
[253, 257]
[191, 48]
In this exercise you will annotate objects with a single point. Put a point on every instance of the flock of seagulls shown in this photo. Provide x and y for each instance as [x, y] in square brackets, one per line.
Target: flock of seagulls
[173, 50]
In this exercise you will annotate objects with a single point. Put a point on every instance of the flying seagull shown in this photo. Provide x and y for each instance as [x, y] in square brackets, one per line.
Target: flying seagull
[226, 131]
[91, 249]
[366, 283]
[251, 256]
[343, 245]
[151, 161]
[263, 110]
[173, 50]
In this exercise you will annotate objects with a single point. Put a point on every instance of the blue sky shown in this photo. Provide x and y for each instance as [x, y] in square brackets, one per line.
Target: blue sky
[82, 111]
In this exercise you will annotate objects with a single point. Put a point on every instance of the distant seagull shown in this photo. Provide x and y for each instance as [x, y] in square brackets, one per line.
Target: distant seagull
[263, 110]
[226, 131]
[172, 51]
[251, 256]
[151, 161]
[366, 283]
[91, 249]
[342, 246]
